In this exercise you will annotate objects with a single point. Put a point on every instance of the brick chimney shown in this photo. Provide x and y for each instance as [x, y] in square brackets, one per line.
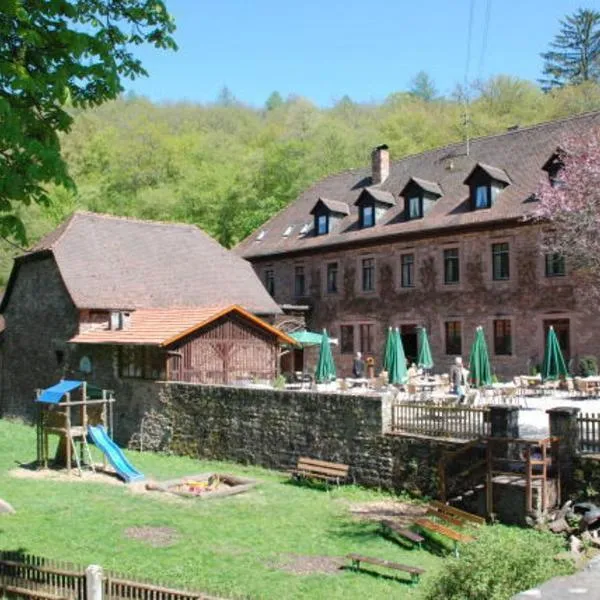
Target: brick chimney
[380, 164]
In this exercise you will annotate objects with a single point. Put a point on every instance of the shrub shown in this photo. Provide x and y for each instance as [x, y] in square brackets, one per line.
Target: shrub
[502, 562]
[588, 366]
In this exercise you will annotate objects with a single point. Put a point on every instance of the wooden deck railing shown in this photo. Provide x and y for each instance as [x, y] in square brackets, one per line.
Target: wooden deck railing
[29, 576]
[457, 422]
[588, 425]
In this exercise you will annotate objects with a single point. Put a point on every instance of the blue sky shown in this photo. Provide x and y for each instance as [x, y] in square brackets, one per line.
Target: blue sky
[324, 49]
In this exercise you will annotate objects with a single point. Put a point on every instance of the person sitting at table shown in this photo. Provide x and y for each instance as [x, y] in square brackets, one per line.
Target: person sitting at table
[412, 373]
[358, 366]
[458, 379]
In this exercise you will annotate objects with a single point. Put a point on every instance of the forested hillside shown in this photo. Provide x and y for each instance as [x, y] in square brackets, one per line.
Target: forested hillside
[227, 167]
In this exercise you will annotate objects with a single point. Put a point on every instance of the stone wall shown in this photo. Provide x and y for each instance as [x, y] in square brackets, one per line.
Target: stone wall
[273, 428]
[40, 318]
[526, 299]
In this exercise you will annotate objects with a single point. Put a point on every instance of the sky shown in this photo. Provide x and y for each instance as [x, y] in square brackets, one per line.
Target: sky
[325, 49]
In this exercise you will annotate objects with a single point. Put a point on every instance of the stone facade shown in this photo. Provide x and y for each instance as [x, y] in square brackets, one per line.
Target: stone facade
[39, 320]
[526, 300]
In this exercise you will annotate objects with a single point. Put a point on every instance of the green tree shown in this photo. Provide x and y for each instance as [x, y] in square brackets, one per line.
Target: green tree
[575, 52]
[53, 54]
[274, 101]
[423, 87]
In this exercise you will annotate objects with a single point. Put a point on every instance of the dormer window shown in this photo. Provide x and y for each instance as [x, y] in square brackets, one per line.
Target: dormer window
[485, 183]
[372, 206]
[327, 213]
[414, 207]
[420, 195]
[322, 224]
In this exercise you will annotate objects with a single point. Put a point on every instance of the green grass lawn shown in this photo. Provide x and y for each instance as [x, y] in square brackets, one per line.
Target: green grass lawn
[228, 546]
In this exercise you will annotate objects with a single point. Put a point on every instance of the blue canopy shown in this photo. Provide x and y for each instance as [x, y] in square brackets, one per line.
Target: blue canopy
[54, 394]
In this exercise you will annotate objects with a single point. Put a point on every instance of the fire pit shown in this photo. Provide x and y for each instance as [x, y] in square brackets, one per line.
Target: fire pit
[204, 485]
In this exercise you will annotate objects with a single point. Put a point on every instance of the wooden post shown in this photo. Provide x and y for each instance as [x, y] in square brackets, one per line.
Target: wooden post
[94, 582]
[68, 432]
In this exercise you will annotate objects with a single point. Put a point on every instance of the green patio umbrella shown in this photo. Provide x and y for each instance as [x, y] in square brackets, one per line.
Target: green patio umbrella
[424, 358]
[554, 365]
[307, 338]
[389, 349]
[480, 370]
[397, 372]
[325, 370]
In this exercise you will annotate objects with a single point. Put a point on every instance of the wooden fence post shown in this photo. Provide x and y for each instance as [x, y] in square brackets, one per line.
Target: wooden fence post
[94, 582]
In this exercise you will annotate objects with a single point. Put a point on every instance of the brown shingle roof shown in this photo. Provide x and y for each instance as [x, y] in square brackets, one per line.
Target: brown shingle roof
[163, 327]
[493, 172]
[113, 262]
[334, 206]
[428, 186]
[520, 154]
[380, 196]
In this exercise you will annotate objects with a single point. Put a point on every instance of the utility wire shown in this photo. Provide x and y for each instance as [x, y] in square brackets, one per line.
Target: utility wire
[466, 80]
[486, 27]
[13, 244]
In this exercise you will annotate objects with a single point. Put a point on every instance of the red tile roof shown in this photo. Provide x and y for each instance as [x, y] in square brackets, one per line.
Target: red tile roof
[516, 155]
[163, 327]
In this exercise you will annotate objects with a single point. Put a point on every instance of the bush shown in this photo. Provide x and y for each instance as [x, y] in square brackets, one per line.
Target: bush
[588, 366]
[502, 562]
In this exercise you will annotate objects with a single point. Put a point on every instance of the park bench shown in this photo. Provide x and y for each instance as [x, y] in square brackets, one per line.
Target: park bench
[414, 572]
[403, 532]
[310, 468]
[465, 517]
[455, 536]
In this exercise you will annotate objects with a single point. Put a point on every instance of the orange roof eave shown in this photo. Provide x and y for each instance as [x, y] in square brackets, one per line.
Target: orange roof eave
[286, 339]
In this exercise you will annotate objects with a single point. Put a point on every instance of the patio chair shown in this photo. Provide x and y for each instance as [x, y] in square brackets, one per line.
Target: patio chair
[582, 387]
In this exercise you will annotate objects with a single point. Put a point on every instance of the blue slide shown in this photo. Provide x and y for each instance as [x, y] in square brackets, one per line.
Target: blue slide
[114, 454]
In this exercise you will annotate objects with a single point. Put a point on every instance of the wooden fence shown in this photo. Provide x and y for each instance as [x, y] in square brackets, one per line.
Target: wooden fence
[28, 576]
[457, 422]
[588, 425]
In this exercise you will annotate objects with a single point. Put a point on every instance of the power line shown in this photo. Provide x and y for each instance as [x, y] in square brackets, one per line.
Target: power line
[13, 244]
[486, 27]
[466, 80]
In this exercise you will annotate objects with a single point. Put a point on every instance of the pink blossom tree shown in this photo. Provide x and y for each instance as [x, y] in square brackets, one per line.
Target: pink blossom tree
[569, 201]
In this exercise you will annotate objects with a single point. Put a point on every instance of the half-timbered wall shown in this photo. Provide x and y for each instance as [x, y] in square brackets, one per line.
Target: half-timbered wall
[229, 350]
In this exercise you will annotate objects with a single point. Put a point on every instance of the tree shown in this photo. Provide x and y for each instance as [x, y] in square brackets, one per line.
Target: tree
[575, 52]
[53, 55]
[423, 87]
[569, 202]
[274, 101]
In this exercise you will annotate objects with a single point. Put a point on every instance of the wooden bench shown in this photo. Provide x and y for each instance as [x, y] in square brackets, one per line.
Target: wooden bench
[455, 536]
[310, 468]
[465, 516]
[403, 532]
[414, 572]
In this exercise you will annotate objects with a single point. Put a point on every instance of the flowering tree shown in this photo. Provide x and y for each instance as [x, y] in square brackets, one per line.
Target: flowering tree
[570, 202]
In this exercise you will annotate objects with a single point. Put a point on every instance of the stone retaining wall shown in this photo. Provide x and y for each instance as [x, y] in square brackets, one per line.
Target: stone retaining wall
[273, 428]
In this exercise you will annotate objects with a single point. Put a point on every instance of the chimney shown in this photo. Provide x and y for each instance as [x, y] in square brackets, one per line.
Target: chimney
[380, 164]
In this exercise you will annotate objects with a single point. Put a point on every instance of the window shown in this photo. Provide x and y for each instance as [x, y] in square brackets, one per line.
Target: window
[270, 281]
[502, 337]
[322, 224]
[481, 197]
[366, 338]
[407, 270]
[451, 266]
[141, 362]
[500, 262]
[332, 278]
[368, 215]
[555, 265]
[368, 275]
[299, 281]
[453, 334]
[414, 207]
[347, 339]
